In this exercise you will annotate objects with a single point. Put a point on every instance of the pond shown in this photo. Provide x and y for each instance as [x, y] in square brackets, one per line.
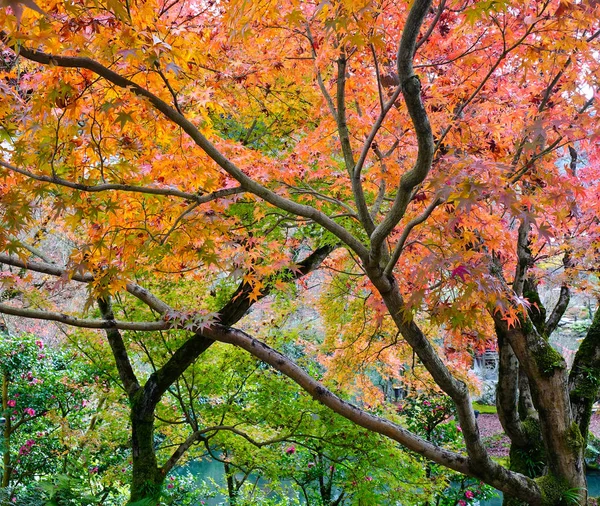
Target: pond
[207, 470]
[593, 479]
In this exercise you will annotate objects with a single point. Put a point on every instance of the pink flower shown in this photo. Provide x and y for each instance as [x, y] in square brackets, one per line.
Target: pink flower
[368, 478]
[462, 503]
[426, 403]
[311, 465]
[290, 450]
[170, 485]
[458, 428]
[30, 411]
[39, 344]
[12, 403]
[469, 494]
[94, 470]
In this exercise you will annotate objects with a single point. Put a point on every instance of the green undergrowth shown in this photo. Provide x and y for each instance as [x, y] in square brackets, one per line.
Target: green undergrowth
[485, 408]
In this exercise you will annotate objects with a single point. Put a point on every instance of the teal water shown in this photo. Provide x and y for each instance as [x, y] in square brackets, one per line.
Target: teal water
[206, 470]
[593, 481]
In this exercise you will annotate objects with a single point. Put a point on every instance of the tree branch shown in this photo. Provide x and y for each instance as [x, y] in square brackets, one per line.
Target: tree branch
[342, 126]
[81, 322]
[128, 377]
[563, 300]
[198, 199]
[246, 182]
[406, 232]
[584, 380]
[411, 90]
[433, 24]
[507, 391]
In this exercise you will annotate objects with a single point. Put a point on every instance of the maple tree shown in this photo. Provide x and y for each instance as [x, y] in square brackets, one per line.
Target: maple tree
[436, 158]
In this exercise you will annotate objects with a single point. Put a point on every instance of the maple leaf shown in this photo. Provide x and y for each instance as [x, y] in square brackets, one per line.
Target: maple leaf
[459, 272]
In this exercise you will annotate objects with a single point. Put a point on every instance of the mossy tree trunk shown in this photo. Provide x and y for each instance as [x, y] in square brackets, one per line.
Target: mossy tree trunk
[563, 443]
[533, 399]
[520, 424]
[147, 476]
[584, 381]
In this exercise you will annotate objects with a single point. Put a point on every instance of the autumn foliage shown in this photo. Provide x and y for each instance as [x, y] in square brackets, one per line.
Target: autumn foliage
[439, 164]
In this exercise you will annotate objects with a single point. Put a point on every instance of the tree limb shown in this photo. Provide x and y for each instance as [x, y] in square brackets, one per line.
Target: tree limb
[246, 182]
[411, 90]
[198, 199]
[128, 377]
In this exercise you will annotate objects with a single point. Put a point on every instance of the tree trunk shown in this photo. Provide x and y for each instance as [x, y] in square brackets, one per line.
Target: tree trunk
[584, 381]
[232, 489]
[7, 469]
[147, 478]
[564, 477]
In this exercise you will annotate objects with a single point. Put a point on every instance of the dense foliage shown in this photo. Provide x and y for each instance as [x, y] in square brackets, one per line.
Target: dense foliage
[373, 191]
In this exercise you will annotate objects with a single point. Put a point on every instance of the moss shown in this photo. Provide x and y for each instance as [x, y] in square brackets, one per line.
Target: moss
[548, 359]
[553, 490]
[531, 459]
[587, 385]
[588, 377]
[513, 501]
[537, 311]
[574, 437]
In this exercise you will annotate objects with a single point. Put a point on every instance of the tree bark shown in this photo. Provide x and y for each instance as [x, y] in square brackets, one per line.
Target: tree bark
[584, 380]
[562, 438]
[147, 477]
[6, 468]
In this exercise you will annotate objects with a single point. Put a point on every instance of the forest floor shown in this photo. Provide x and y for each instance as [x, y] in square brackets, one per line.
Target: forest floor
[497, 442]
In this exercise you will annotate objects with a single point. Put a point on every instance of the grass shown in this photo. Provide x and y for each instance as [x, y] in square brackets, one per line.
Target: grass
[484, 408]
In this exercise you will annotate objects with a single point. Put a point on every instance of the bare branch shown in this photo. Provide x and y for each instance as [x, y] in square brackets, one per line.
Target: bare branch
[320, 82]
[507, 392]
[81, 322]
[433, 24]
[411, 90]
[199, 199]
[128, 377]
[352, 169]
[407, 230]
[563, 300]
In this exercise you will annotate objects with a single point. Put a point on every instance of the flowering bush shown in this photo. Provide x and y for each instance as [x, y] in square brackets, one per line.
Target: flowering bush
[431, 415]
[46, 420]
